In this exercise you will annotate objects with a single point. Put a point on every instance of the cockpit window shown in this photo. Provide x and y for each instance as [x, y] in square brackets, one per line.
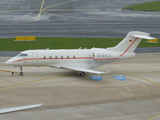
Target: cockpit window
[21, 55]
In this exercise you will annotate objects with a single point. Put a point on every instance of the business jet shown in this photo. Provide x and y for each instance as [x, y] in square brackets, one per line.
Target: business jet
[80, 60]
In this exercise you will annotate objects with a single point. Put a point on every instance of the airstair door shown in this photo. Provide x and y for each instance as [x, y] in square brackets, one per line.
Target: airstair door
[35, 59]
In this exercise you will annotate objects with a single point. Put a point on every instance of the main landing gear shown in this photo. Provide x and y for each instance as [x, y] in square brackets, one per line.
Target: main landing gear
[21, 71]
[82, 74]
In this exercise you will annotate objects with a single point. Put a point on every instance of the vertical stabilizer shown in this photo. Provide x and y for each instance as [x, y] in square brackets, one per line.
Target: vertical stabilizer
[130, 42]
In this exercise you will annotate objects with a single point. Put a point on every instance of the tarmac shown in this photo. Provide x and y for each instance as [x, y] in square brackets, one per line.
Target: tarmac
[67, 96]
[75, 18]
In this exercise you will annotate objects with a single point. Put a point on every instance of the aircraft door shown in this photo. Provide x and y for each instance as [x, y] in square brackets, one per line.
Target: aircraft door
[35, 59]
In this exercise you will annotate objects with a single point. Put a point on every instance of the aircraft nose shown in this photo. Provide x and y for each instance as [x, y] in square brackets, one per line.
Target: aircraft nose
[8, 62]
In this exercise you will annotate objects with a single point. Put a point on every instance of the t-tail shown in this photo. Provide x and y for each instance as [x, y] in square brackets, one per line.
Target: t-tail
[130, 43]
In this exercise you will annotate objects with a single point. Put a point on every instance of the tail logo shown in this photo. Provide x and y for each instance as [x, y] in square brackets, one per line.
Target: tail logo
[129, 46]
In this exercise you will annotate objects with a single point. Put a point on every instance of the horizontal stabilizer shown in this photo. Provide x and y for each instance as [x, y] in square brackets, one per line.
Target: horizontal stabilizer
[143, 36]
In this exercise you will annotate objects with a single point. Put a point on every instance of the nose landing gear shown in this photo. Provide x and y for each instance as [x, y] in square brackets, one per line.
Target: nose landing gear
[21, 69]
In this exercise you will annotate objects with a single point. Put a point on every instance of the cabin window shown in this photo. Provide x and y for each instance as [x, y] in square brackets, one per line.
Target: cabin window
[44, 57]
[93, 55]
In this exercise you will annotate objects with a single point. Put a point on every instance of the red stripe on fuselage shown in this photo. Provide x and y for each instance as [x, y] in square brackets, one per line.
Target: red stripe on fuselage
[106, 59]
[63, 58]
[129, 47]
[52, 59]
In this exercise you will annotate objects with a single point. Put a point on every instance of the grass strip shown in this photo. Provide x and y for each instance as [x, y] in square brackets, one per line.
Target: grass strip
[150, 6]
[8, 44]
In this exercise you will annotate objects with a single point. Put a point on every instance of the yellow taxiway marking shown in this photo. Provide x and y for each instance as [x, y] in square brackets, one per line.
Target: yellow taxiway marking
[44, 10]
[74, 17]
[70, 10]
[31, 82]
[145, 79]
[154, 117]
[8, 71]
[18, 10]
[41, 9]
[59, 4]
[78, 10]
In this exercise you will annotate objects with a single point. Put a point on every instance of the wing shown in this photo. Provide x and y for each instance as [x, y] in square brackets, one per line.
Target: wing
[80, 69]
[12, 109]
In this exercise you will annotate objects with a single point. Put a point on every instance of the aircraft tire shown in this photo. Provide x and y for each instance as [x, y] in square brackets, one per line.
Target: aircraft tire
[82, 74]
[21, 73]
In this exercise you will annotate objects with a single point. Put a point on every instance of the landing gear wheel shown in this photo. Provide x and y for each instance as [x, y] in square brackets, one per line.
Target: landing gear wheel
[82, 74]
[21, 73]
[21, 69]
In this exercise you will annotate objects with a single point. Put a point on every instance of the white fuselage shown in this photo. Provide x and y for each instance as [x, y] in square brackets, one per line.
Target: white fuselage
[80, 59]
[88, 58]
